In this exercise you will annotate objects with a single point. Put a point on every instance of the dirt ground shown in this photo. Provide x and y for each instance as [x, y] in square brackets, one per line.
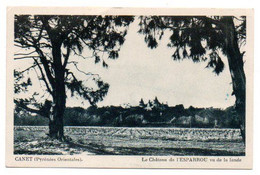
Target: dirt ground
[128, 141]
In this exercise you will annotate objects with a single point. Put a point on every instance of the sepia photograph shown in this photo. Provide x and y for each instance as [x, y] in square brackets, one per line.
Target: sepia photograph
[131, 84]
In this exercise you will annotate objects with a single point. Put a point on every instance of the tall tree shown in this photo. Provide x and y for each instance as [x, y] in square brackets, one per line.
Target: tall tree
[156, 102]
[202, 38]
[141, 103]
[50, 41]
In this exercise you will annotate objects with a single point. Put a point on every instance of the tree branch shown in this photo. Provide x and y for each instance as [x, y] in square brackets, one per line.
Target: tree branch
[22, 54]
[45, 66]
[43, 77]
[86, 73]
[75, 53]
[84, 90]
[25, 57]
[66, 58]
[24, 106]
[28, 68]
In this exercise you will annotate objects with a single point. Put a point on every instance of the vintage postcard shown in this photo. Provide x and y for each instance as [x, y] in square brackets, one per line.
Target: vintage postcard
[129, 87]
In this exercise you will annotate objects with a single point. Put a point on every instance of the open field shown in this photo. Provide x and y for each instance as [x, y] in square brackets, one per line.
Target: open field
[130, 141]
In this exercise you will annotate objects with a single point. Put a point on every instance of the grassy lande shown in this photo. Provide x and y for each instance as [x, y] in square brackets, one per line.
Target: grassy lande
[38, 143]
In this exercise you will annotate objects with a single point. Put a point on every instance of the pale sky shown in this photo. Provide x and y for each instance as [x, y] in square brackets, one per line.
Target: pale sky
[140, 72]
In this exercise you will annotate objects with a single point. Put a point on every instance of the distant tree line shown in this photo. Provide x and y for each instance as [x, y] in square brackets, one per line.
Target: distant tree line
[151, 114]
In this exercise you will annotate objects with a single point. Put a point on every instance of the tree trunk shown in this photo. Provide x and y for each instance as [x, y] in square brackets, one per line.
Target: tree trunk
[236, 67]
[56, 119]
[59, 95]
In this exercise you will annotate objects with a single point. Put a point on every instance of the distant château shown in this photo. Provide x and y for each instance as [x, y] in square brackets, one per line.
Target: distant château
[155, 104]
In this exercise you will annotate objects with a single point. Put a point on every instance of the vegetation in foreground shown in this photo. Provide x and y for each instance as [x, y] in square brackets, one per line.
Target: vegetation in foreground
[125, 141]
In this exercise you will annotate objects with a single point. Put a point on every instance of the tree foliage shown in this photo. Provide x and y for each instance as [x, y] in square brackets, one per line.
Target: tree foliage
[200, 38]
[38, 36]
